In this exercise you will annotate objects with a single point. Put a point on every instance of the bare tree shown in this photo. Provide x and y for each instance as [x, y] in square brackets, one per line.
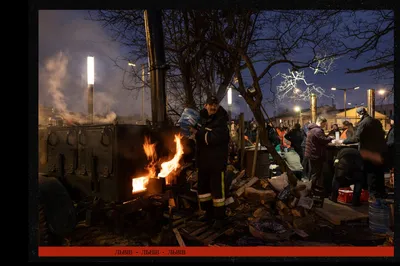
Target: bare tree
[197, 69]
[370, 34]
[286, 35]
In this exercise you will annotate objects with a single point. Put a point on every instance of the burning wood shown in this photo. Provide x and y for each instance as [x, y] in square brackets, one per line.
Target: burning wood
[139, 184]
[168, 168]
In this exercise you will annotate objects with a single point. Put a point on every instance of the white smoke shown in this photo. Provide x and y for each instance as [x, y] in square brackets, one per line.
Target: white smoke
[63, 75]
[54, 75]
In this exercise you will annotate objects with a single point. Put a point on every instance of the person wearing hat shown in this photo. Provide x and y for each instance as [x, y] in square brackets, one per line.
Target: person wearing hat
[370, 137]
[212, 150]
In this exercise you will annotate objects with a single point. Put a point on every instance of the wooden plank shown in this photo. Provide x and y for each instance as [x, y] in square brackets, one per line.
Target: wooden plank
[337, 213]
[214, 236]
[179, 237]
[251, 182]
[189, 237]
[205, 235]
[193, 227]
[238, 177]
[199, 231]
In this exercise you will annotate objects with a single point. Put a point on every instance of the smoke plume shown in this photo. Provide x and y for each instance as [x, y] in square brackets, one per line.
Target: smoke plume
[55, 76]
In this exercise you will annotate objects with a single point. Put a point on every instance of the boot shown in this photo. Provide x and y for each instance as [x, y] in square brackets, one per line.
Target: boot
[208, 208]
[220, 218]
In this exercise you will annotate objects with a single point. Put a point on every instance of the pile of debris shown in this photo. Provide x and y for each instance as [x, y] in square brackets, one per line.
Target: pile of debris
[260, 210]
[278, 210]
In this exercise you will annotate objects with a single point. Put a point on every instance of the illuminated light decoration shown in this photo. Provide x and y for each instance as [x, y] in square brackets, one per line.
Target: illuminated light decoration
[290, 89]
[324, 64]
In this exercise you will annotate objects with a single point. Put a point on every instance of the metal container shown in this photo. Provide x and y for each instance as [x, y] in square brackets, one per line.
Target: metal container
[101, 159]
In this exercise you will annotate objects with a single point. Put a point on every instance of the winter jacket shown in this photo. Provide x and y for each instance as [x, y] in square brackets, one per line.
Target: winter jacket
[316, 143]
[293, 160]
[369, 134]
[390, 137]
[304, 130]
[349, 166]
[212, 140]
[296, 139]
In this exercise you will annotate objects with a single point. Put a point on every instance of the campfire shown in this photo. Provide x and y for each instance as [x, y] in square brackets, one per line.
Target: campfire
[168, 168]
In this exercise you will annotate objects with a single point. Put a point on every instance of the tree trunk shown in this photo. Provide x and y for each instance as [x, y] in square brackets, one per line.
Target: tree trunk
[271, 149]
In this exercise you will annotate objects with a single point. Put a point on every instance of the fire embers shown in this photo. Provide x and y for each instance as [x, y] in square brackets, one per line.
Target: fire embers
[168, 168]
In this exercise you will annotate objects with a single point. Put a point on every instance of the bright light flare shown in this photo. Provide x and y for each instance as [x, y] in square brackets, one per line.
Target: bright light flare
[229, 96]
[90, 70]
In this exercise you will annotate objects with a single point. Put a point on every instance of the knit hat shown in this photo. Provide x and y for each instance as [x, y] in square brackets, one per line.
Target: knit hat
[212, 99]
[361, 111]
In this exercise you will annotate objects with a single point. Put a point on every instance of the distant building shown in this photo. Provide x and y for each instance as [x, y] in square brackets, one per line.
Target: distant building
[332, 115]
[290, 117]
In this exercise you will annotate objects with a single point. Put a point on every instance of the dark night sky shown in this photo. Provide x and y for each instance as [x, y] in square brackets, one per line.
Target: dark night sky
[69, 32]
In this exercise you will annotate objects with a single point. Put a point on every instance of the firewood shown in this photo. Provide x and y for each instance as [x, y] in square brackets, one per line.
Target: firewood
[179, 237]
[238, 177]
[240, 191]
[280, 205]
[258, 195]
[298, 212]
[264, 183]
[261, 212]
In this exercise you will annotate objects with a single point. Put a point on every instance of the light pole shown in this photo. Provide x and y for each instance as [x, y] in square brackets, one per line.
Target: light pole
[143, 67]
[90, 80]
[344, 95]
[382, 93]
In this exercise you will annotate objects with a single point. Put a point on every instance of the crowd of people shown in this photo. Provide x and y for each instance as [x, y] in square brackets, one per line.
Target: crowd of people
[304, 149]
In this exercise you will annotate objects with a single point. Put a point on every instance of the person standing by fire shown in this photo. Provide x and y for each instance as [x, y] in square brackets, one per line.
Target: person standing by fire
[212, 148]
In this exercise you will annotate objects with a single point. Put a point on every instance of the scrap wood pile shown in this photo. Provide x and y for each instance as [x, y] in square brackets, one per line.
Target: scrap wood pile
[260, 211]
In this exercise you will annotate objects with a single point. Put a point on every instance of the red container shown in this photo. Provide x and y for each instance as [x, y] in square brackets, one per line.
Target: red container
[346, 195]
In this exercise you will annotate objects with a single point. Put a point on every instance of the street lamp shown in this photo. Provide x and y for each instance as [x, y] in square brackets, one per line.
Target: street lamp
[344, 95]
[90, 80]
[382, 92]
[297, 109]
[229, 98]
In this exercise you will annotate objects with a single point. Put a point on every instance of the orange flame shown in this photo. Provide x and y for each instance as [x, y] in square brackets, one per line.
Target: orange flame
[139, 184]
[168, 167]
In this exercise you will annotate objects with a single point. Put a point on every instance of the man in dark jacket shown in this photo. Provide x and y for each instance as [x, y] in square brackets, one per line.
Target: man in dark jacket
[315, 152]
[371, 138]
[390, 155]
[295, 136]
[348, 171]
[212, 142]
